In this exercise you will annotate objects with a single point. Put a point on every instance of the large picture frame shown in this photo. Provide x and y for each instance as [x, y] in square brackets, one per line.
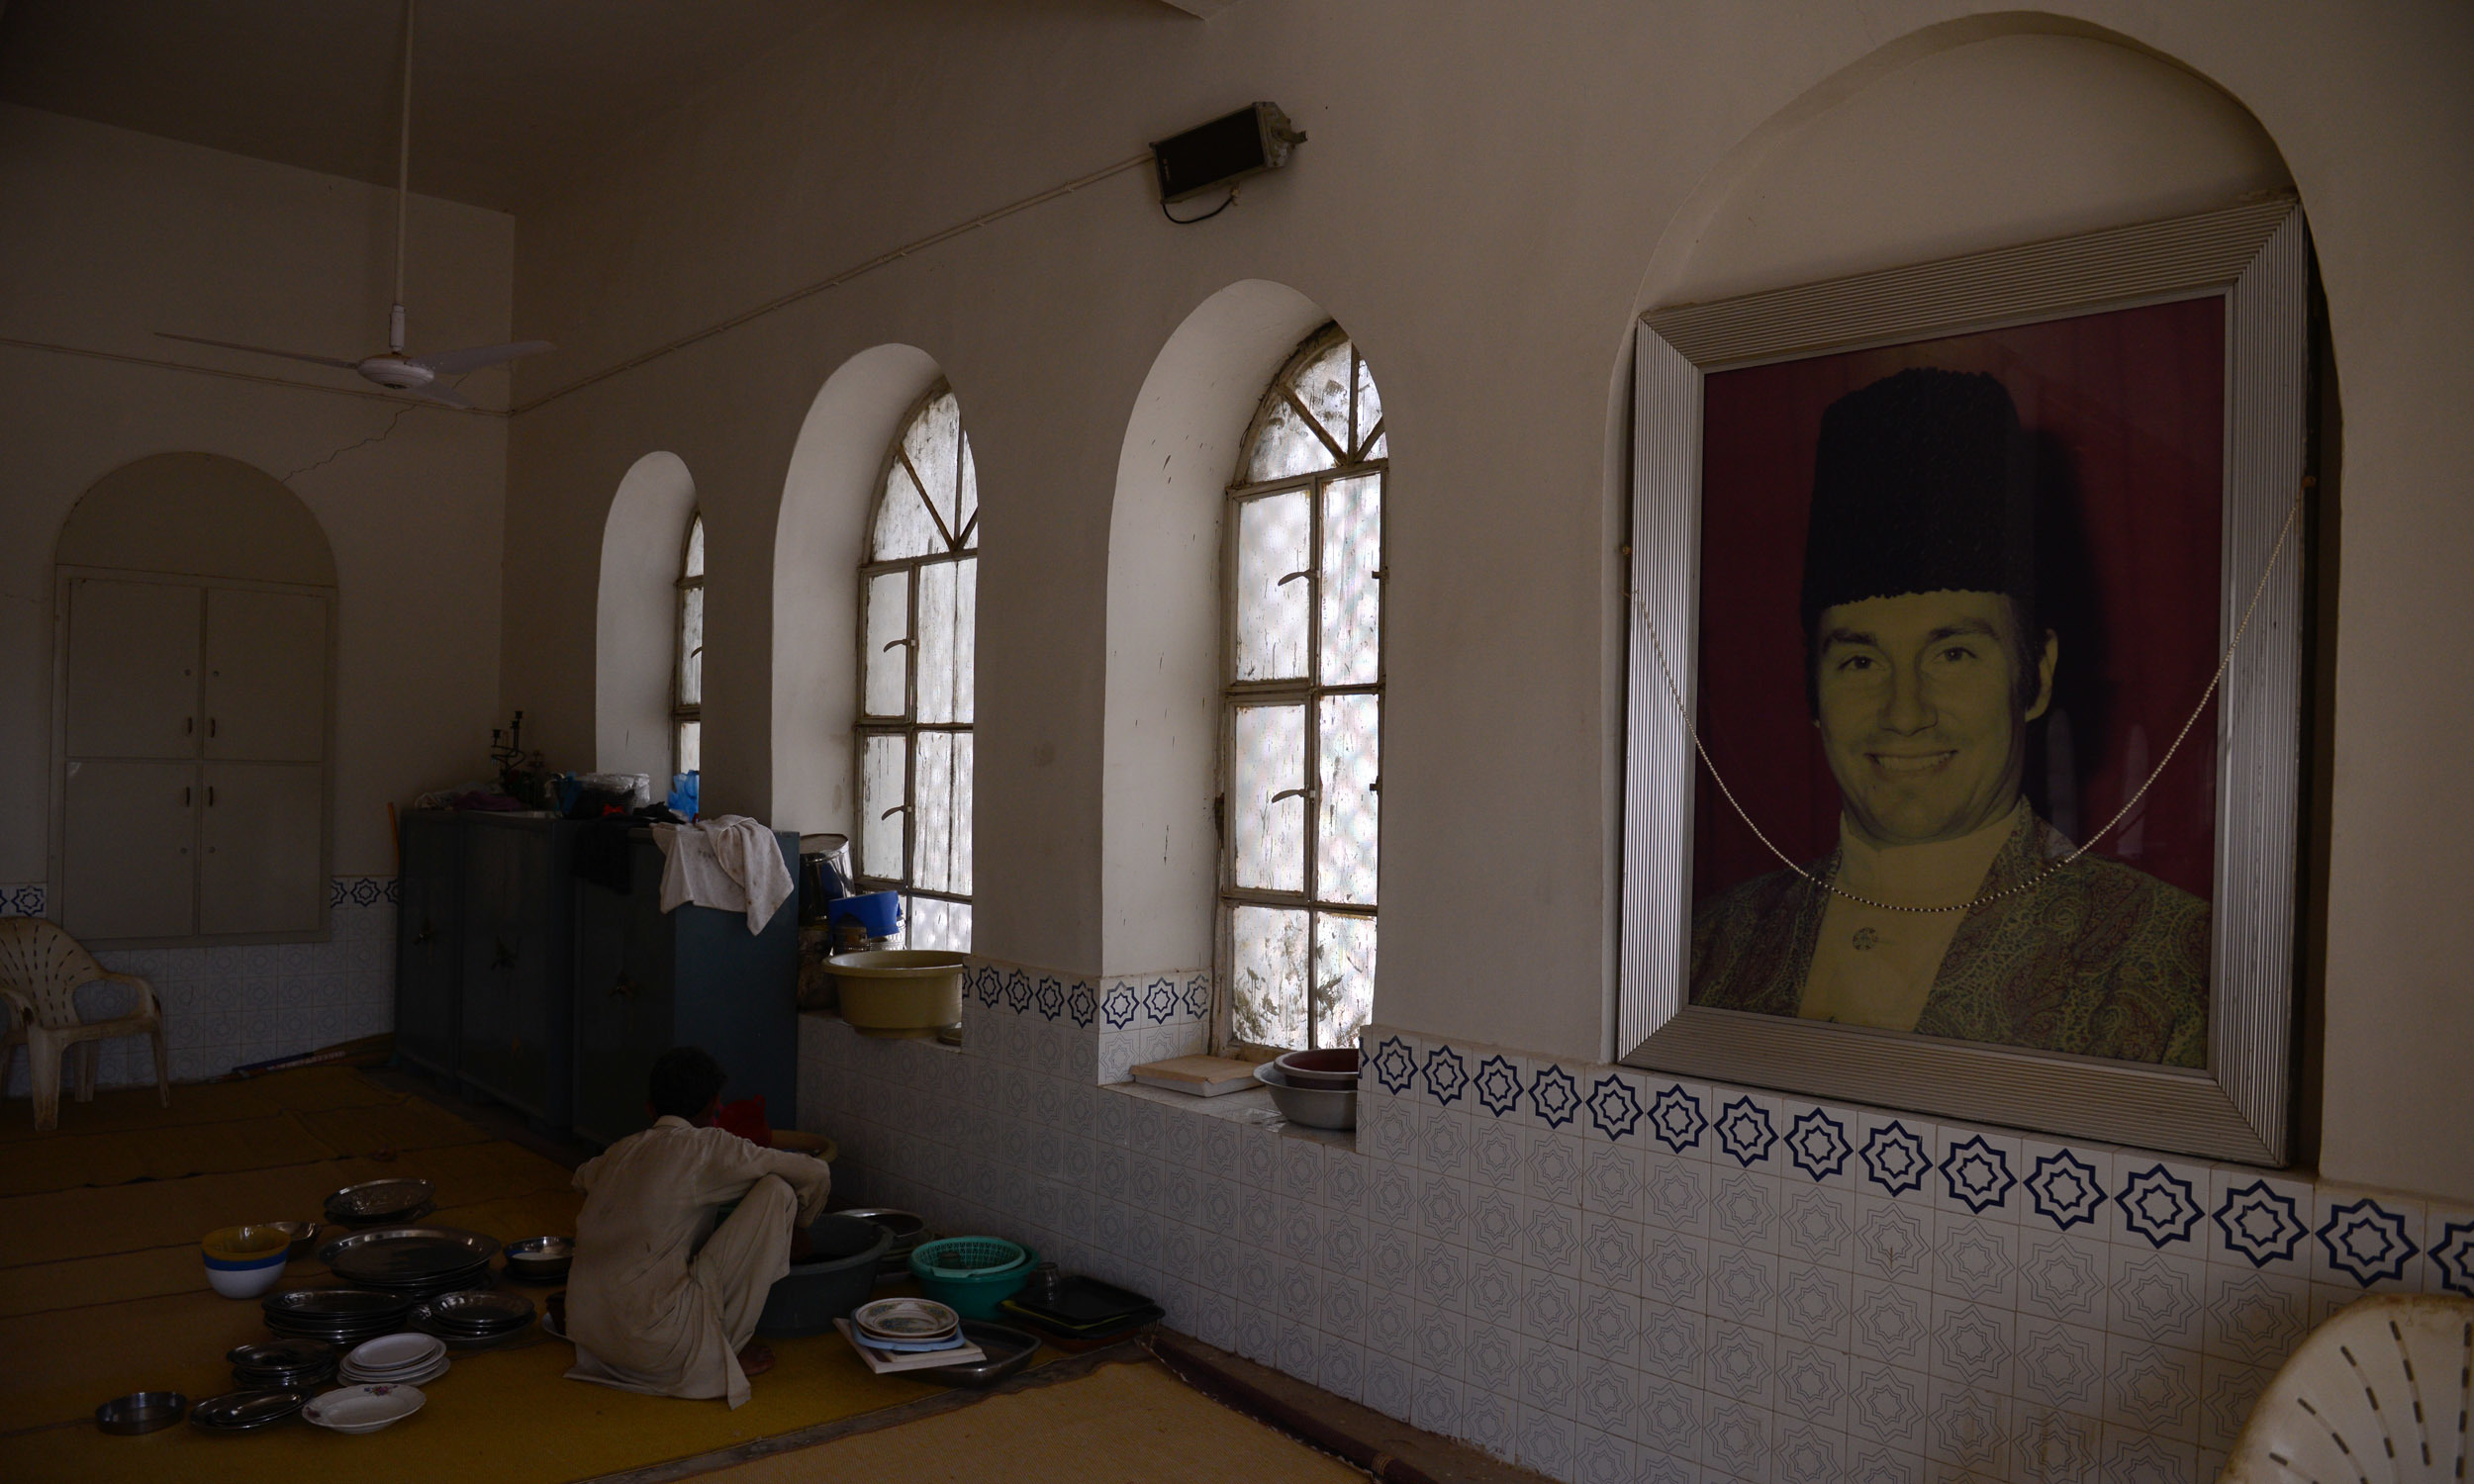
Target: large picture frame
[2250, 262]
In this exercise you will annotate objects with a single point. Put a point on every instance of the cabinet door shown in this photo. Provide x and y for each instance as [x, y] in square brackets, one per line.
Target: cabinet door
[128, 866]
[426, 939]
[265, 676]
[623, 1008]
[133, 668]
[261, 869]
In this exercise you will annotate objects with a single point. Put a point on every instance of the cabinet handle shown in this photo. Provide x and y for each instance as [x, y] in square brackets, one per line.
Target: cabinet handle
[425, 935]
[505, 958]
[189, 724]
[210, 796]
[185, 799]
[210, 726]
[623, 988]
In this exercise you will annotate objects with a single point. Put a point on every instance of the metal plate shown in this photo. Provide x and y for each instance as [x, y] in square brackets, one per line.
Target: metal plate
[377, 1198]
[328, 1308]
[408, 1255]
[479, 1311]
[247, 1410]
[140, 1412]
[283, 1354]
[542, 1249]
[906, 1318]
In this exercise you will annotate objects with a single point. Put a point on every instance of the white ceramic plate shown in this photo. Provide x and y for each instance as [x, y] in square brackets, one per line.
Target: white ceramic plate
[406, 1350]
[363, 1409]
[420, 1377]
[906, 1319]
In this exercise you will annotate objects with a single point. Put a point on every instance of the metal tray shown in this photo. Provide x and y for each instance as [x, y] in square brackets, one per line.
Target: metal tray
[374, 1200]
[247, 1410]
[336, 1306]
[408, 1255]
[1078, 1303]
[1008, 1351]
[478, 1311]
[140, 1412]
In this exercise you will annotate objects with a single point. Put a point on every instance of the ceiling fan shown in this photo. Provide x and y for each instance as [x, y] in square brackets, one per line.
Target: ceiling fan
[417, 374]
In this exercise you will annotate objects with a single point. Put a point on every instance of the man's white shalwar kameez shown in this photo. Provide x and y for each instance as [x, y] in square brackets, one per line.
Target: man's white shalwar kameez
[646, 1309]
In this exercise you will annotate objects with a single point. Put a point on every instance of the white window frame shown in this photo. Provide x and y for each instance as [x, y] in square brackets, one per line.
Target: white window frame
[684, 713]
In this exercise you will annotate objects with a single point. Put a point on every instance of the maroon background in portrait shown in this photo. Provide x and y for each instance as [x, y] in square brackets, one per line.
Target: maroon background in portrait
[2127, 410]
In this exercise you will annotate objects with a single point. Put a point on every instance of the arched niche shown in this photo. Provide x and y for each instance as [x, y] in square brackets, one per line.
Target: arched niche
[199, 513]
[1159, 850]
[820, 539]
[636, 611]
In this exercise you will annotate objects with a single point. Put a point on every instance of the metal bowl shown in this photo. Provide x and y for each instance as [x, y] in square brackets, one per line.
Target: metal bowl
[1333, 1068]
[1314, 1107]
[140, 1412]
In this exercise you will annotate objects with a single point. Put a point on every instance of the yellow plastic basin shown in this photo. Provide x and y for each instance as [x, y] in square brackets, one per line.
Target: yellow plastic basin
[902, 991]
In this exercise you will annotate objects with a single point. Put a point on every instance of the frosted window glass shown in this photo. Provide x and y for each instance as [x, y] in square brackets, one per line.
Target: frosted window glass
[1267, 837]
[961, 878]
[968, 533]
[888, 621]
[1323, 386]
[1353, 603]
[1344, 978]
[930, 923]
[966, 637]
[1369, 407]
[695, 566]
[1285, 446]
[1381, 448]
[933, 444]
[690, 646]
[1268, 1007]
[691, 747]
[936, 641]
[932, 834]
[883, 762]
[1273, 542]
[1349, 730]
[903, 527]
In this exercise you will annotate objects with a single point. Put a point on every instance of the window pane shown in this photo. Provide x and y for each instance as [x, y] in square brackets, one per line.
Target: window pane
[1349, 730]
[694, 565]
[966, 637]
[903, 528]
[969, 502]
[1344, 978]
[882, 764]
[1323, 386]
[1268, 1007]
[930, 923]
[690, 646]
[1268, 838]
[932, 840]
[1369, 407]
[1381, 448]
[961, 877]
[936, 641]
[889, 622]
[1285, 446]
[691, 747]
[1353, 602]
[1273, 536]
[933, 442]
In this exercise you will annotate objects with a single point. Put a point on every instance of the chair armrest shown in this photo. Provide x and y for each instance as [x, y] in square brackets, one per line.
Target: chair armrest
[21, 1009]
[146, 992]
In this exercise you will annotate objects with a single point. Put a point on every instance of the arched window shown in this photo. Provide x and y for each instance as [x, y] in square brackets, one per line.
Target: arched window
[1302, 738]
[919, 599]
[686, 701]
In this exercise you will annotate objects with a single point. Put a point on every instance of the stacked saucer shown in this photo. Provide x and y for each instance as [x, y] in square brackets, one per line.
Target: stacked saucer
[283, 1364]
[247, 1410]
[396, 1360]
[377, 1203]
[908, 1325]
[339, 1316]
[473, 1317]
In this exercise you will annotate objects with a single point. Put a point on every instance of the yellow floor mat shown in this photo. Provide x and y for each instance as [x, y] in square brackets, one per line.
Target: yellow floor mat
[1120, 1422]
[306, 1090]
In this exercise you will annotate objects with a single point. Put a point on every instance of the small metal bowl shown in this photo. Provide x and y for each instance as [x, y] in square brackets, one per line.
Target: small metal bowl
[1317, 1108]
[140, 1412]
[304, 1237]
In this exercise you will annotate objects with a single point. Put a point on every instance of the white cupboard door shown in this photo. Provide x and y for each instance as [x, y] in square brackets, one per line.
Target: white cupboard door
[265, 676]
[133, 668]
[128, 857]
[261, 869]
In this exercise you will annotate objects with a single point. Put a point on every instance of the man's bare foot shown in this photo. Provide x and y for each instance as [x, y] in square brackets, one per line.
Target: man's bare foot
[755, 1360]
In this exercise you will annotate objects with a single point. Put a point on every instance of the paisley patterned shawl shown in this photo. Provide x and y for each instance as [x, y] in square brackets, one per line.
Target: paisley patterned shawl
[2102, 960]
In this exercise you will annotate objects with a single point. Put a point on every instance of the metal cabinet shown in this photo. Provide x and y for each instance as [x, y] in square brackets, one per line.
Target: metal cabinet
[429, 934]
[646, 981]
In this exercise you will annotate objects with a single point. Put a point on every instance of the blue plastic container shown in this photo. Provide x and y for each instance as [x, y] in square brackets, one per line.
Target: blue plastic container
[879, 913]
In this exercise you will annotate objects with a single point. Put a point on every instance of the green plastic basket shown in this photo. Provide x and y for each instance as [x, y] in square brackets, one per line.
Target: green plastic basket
[973, 1275]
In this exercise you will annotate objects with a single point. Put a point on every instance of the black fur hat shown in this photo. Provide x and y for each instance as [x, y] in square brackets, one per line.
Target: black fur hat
[1923, 483]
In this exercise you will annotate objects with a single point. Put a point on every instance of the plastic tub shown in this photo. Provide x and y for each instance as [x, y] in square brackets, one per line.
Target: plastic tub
[901, 991]
[972, 1274]
[837, 1278]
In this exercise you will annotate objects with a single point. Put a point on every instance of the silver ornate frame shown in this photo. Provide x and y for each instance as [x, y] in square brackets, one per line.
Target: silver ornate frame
[2256, 257]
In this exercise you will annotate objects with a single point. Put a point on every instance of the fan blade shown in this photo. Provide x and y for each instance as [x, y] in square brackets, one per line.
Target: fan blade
[443, 396]
[457, 362]
[290, 356]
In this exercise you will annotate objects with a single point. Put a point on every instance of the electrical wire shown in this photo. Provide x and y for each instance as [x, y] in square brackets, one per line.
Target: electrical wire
[1206, 216]
[380, 436]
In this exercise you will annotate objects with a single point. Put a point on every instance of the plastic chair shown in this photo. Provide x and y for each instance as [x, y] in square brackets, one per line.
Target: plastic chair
[41, 968]
[2378, 1393]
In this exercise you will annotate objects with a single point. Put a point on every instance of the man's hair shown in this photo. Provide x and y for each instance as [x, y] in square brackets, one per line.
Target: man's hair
[684, 1082]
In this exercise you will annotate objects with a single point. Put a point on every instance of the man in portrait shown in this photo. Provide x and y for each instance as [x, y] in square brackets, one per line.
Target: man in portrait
[1926, 664]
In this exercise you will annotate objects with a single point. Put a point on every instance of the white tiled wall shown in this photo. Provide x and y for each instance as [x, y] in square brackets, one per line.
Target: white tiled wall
[225, 1007]
[1610, 1275]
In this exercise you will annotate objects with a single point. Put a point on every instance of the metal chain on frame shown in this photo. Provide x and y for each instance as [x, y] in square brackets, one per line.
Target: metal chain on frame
[1675, 692]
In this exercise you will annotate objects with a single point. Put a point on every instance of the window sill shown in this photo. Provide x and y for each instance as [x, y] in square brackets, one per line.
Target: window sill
[1252, 1106]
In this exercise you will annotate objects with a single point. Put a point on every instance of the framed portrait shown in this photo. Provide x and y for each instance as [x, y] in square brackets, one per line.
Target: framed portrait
[1934, 796]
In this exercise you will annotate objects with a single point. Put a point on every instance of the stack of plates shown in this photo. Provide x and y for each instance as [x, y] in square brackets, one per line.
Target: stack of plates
[396, 1360]
[283, 1364]
[339, 1316]
[903, 1325]
[381, 1203]
[540, 1260]
[364, 1408]
[418, 1262]
[473, 1319]
[247, 1410]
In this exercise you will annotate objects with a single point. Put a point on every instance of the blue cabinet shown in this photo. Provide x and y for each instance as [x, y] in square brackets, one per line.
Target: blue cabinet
[646, 981]
[428, 939]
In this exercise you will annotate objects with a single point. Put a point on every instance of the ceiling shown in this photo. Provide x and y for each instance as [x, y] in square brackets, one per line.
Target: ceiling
[508, 95]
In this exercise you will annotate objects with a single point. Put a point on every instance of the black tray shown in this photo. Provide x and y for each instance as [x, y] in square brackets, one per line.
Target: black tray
[1077, 1304]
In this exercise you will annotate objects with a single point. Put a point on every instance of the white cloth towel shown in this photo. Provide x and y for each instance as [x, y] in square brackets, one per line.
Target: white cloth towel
[732, 862]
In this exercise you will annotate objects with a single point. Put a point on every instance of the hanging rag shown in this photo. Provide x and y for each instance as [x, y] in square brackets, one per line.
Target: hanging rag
[731, 863]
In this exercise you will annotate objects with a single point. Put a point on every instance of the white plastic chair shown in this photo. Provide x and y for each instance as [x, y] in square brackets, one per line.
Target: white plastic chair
[2378, 1393]
[41, 968]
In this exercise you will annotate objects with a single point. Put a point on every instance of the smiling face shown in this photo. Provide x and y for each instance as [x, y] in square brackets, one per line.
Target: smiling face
[1923, 708]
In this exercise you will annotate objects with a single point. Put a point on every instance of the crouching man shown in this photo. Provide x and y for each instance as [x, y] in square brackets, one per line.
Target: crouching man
[660, 1298]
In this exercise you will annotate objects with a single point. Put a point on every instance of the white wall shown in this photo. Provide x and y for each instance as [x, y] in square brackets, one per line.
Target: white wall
[1489, 197]
[636, 619]
[107, 236]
